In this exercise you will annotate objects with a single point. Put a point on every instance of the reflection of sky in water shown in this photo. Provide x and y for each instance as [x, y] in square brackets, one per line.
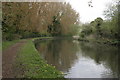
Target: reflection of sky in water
[85, 68]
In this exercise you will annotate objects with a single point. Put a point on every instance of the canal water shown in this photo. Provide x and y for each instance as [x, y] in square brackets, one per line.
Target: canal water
[80, 59]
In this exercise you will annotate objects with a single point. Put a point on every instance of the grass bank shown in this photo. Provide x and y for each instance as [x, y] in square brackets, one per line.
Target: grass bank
[31, 65]
[6, 44]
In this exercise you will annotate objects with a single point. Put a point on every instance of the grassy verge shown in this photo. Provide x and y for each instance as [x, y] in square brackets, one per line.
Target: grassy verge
[31, 65]
[6, 44]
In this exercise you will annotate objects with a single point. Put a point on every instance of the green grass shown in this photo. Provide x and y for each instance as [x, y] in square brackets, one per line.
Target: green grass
[33, 66]
[6, 44]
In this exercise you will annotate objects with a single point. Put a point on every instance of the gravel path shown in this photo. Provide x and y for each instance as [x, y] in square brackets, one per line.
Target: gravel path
[8, 59]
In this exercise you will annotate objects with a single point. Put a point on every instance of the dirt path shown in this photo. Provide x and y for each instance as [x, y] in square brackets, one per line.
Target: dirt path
[8, 59]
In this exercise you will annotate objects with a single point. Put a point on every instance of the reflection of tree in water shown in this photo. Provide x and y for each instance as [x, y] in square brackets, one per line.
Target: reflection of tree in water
[41, 46]
[53, 50]
[60, 53]
[102, 54]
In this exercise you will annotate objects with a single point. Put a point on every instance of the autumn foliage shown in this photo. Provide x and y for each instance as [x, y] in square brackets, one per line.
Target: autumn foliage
[33, 19]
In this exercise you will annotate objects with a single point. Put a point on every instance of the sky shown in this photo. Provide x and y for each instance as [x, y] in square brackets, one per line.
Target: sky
[88, 14]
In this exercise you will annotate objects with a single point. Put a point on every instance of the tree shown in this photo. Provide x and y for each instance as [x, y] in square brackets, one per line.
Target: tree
[43, 18]
[112, 15]
[98, 23]
[55, 29]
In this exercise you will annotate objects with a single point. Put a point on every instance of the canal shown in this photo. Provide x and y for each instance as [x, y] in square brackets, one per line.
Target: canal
[80, 59]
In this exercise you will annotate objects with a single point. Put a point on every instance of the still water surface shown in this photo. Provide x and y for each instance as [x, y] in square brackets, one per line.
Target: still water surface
[80, 59]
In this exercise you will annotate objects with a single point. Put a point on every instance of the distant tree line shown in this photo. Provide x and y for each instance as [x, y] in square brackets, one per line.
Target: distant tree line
[100, 28]
[34, 19]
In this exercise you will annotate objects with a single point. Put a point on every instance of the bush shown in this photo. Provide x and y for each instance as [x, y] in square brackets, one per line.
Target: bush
[10, 36]
[82, 35]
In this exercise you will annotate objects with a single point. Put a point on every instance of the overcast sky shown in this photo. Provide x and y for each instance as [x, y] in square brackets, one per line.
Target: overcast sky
[88, 14]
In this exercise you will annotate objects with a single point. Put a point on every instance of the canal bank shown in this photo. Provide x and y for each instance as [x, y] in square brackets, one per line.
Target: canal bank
[101, 41]
[32, 65]
[29, 63]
